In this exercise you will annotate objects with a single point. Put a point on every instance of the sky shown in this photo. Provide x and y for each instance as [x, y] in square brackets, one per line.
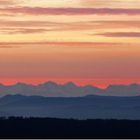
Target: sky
[93, 42]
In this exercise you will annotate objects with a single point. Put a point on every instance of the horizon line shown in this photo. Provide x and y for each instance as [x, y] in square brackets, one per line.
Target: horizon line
[65, 83]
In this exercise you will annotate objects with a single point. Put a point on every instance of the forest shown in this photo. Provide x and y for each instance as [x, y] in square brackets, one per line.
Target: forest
[19, 127]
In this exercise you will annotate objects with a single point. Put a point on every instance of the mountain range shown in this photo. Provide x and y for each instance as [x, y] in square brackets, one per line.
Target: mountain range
[51, 89]
[88, 107]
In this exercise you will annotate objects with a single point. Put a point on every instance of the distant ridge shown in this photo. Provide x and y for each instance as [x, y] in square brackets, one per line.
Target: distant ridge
[70, 89]
[88, 107]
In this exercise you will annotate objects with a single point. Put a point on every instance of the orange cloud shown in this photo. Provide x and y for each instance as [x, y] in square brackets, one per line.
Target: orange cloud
[63, 44]
[7, 2]
[23, 30]
[121, 34]
[26, 27]
[110, 3]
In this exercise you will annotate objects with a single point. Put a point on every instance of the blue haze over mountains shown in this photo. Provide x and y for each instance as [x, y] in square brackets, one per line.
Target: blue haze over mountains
[88, 107]
[70, 101]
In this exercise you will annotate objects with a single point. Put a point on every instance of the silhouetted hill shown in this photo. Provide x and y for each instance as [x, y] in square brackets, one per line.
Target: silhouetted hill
[88, 107]
[121, 90]
[67, 128]
[51, 89]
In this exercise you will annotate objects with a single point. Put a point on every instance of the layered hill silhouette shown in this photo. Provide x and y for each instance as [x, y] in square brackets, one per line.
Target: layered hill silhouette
[88, 107]
[51, 89]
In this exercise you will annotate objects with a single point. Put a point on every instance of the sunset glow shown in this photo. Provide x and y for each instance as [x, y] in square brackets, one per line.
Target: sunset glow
[85, 41]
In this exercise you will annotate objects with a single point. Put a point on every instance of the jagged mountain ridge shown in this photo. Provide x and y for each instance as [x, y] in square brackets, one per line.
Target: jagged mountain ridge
[51, 89]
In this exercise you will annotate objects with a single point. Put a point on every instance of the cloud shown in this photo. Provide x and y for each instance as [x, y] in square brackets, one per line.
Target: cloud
[6, 2]
[26, 27]
[94, 25]
[67, 11]
[121, 34]
[33, 23]
[23, 30]
[110, 3]
[97, 45]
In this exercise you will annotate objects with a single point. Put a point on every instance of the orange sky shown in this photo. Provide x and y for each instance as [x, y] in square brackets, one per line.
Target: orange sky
[84, 41]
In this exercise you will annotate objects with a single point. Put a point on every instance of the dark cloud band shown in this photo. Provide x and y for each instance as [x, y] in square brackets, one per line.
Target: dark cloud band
[67, 11]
